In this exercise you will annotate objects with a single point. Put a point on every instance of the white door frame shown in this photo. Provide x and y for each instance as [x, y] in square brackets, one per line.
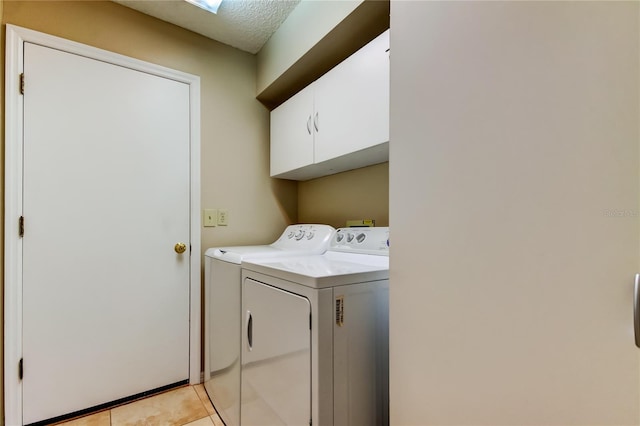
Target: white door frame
[16, 36]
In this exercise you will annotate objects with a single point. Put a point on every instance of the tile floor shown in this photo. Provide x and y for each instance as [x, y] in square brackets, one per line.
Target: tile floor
[185, 406]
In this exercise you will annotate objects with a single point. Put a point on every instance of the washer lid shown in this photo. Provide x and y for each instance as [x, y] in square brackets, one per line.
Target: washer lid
[321, 271]
[238, 253]
[303, 239]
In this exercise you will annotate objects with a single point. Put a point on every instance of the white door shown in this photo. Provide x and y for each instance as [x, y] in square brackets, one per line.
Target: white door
[276, 357]
[106, 197]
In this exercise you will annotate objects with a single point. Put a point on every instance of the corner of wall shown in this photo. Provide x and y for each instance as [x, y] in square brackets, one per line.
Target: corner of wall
[2, 52]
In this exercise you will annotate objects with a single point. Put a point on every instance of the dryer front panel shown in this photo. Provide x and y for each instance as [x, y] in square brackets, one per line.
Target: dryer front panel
[276, 356]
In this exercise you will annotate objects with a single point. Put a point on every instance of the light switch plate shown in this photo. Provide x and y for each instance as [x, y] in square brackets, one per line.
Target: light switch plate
[223, 217]
[209, 217]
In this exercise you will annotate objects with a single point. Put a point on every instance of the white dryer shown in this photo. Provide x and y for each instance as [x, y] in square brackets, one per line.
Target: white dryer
[315, 335]
[222, 309]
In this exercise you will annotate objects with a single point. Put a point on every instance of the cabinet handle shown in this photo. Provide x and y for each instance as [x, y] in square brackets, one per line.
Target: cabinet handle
[315, 122]
[250, 330]
[636, 310]
[309, 125]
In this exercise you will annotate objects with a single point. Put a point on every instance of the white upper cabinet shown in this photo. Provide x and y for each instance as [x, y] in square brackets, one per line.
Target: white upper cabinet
[292, 128]
[352, 102]
[339, 122]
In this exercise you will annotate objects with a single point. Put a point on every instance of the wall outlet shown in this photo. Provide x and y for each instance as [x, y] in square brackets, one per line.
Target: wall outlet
[209, 217]
[223, 217]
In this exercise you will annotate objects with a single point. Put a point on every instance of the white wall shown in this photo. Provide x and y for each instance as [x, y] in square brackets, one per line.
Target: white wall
[514, 136]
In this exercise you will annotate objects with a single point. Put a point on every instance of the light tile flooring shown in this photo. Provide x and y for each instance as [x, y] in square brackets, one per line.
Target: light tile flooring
[186, 406]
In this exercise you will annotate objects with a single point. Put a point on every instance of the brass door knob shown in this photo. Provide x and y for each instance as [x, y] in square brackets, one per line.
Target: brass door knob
[180, 248]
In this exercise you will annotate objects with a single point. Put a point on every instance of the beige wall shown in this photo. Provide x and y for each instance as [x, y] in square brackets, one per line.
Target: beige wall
[356, 194]
[514, 129]
[235, 126]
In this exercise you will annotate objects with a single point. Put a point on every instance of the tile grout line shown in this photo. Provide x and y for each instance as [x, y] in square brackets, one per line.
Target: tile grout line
[193, 387]
[207, 401]
[203, 404]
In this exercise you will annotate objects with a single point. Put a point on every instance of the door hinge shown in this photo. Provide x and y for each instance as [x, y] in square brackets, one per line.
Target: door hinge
[21, 369]
[22, 84]
[21, 227]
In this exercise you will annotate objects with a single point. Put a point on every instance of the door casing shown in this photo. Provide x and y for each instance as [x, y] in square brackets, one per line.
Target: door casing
[15, 39]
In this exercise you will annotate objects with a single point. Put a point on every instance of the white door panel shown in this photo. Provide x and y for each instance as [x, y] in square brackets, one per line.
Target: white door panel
[292, 133]
[106, 196]
[352, 103]
[276, 357]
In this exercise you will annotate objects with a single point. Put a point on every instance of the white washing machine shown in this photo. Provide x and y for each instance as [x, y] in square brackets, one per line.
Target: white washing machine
[315, 335]
[223, 309]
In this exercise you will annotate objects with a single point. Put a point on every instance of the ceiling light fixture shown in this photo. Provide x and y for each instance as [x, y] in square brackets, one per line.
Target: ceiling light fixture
[208, 5]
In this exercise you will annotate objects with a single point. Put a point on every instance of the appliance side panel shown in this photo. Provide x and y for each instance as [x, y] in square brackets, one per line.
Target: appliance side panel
[361, 333]
[222, 338]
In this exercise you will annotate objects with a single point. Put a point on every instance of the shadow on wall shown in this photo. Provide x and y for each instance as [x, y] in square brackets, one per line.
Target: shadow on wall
[286, 194]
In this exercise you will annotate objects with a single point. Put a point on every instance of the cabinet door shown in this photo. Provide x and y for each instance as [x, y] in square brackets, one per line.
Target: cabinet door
[292, 133]
[276, 357]
[352, 102]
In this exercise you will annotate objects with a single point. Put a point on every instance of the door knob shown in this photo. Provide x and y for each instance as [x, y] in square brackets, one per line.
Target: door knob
[180, 248]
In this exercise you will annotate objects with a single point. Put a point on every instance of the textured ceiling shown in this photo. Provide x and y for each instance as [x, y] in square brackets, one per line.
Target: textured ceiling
[244, 24]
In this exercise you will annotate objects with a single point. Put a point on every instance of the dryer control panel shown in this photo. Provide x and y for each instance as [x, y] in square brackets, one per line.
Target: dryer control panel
[361, 240]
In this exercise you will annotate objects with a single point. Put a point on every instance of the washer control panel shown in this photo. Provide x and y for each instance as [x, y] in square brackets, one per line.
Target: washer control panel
[305, 237]
[362, 240]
